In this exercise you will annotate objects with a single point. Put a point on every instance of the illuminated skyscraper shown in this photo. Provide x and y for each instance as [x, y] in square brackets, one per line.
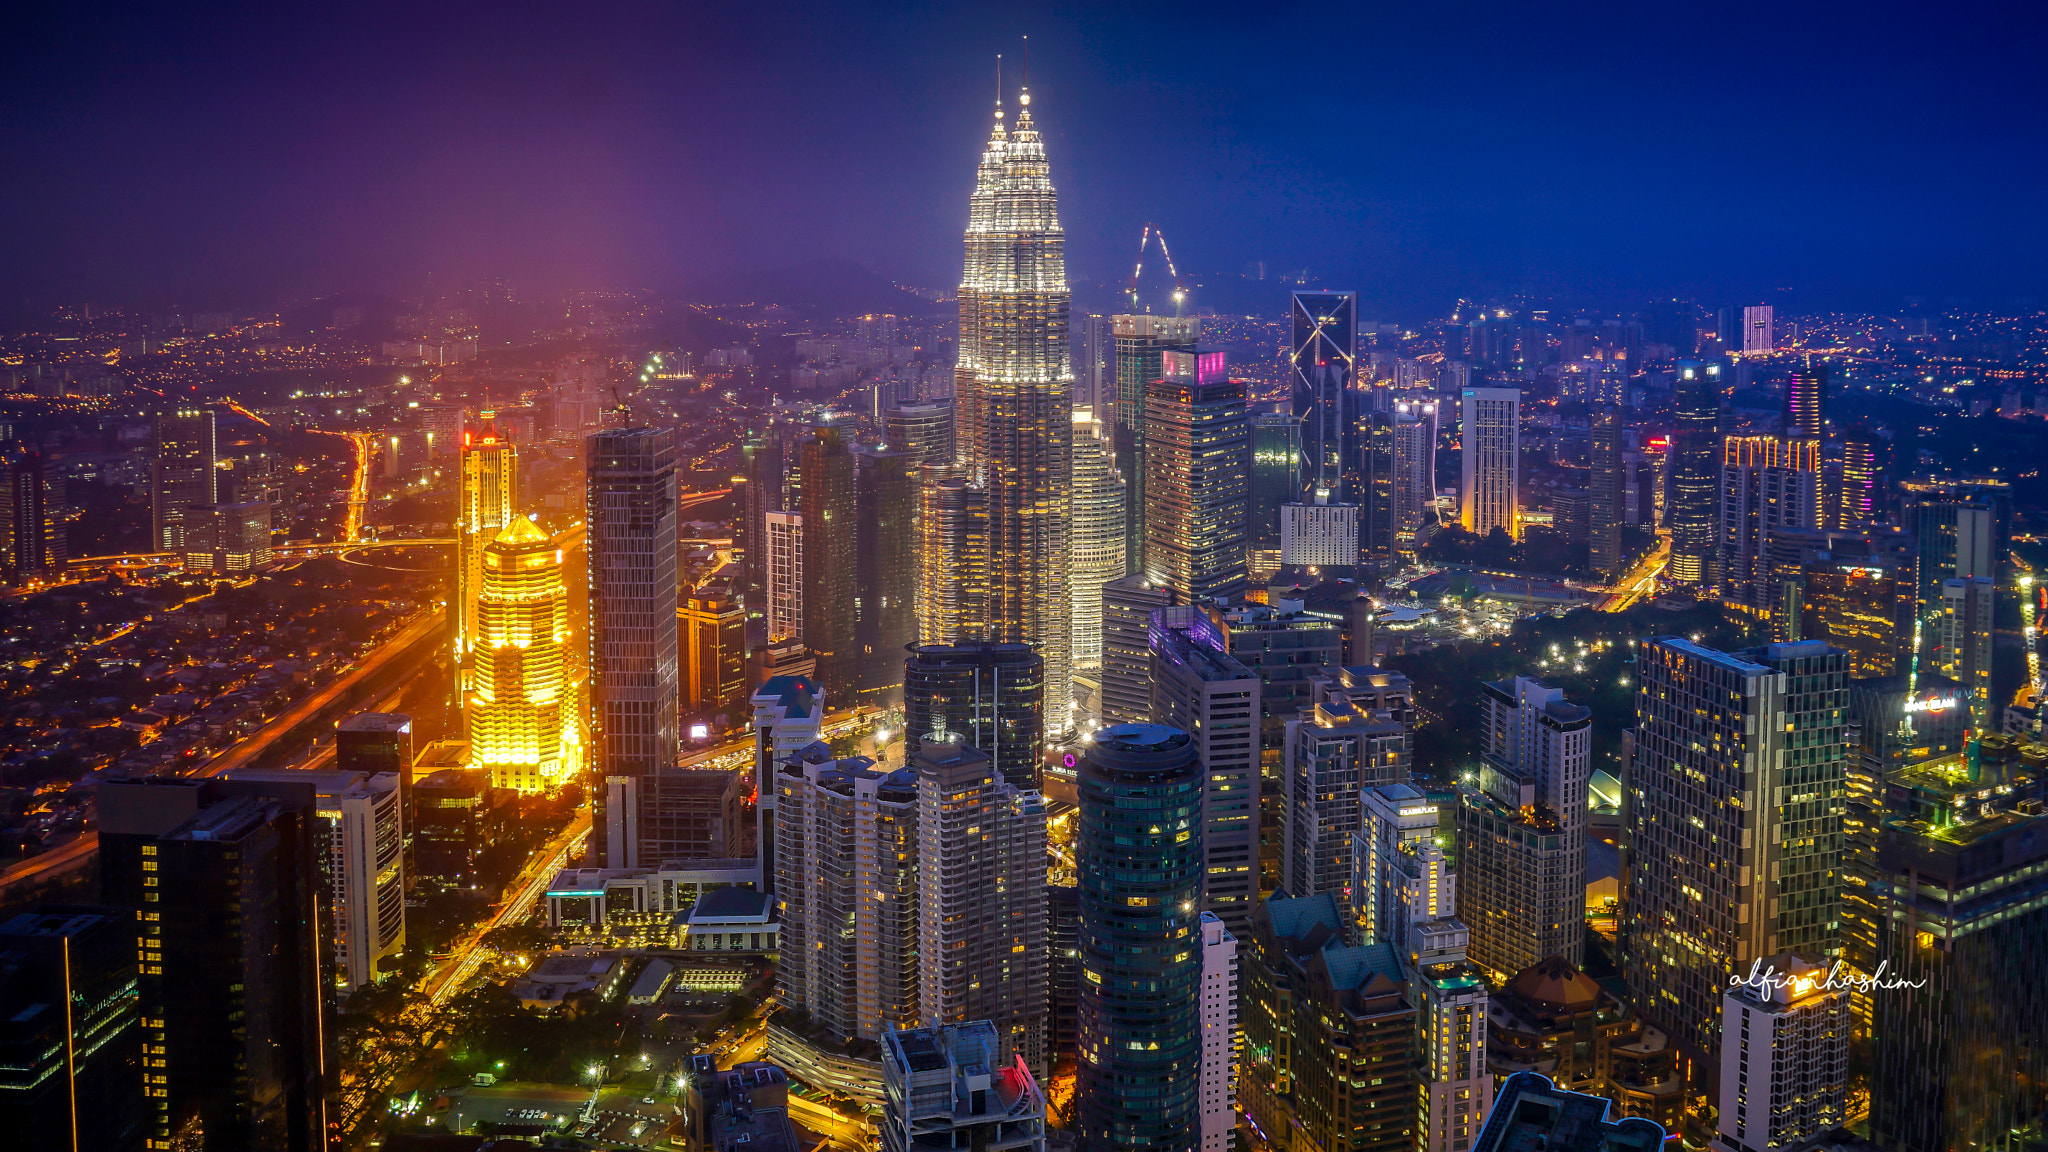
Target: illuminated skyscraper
[1965, 635]
[1414, 470]
[714, 654]
[1604, 487]
[1806, 402]
[1142, 343]
[1757, 335]
[785, 573]
[519, 701]
[992, 695]
[952, 556]
[1197, 483]
[183, 474]
[489, 502]
[1098, 536]
[32, 535]
[1325, 343]
[1490, 431]
[1139, 853]
[1734, 845]
[1769, 484]
[1692, 496]
[924, 430]
[1854, 503]
[634, 677]
[1014, 378]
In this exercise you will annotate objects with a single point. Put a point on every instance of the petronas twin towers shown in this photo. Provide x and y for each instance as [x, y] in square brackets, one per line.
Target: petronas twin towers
[1015, 377]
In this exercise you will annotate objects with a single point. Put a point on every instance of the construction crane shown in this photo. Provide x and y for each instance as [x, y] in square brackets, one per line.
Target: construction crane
[1180, 293]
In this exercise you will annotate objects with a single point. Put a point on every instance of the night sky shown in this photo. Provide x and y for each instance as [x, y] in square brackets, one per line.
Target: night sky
[1416, 152]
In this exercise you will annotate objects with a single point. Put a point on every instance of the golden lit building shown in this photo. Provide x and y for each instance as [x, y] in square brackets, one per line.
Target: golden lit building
[520, 700]
[490, 470]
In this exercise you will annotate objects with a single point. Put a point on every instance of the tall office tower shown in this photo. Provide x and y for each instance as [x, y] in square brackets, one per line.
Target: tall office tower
[1806, 402]
[714, 655]
[1768, 484]
[952, 557]
[1353, 735]
[1403, 890]
[359, 837]
[981, 899]
[1141, 346]
[1098, 536]
[521, 704]
[1217, 1099]
[886, 569]
[1490, 432]
[1063, 969]
[830, 617]
[1127, 607]
[32, 533]
[993, 695]
[1784, 1058]
[785, 575]
[1414, 471]
[1734, 825]
[945, 1087]
[1964, 654]
[1692, 500]
[228, 538]
[1854, 502]
[789, 715]
[1604, 489]
[235, 1010]
[925, 430]
[1139, 858]
[1370, 474]
[1322, 350]
[1964, 530]
[630, 506]
[1198, 687]
[1319, 536]
[1961, 884]
[846, 883]
[1399, 872]
[489, 502]
[73, 1080]
[183, 473]
[1757, 336]
[1522, 828]
[1317, 1010]
[761, 465]
[1855, 590]
[1015, 379]
[1095, 370]
[1531, 1112]
[1197, 482]
[1276, 480]
[440, 425]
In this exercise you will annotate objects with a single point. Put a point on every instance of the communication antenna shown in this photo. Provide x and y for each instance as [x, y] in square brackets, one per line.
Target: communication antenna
[1180, 294]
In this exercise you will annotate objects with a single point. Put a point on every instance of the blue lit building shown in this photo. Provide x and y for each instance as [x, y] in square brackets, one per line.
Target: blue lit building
[1139, 860]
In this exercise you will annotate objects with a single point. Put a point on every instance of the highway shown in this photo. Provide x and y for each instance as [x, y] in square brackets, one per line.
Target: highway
[468, 956]
[77, 852]
[1641, 580]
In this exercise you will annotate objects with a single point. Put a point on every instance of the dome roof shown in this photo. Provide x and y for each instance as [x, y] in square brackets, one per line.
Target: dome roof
[1553, 983]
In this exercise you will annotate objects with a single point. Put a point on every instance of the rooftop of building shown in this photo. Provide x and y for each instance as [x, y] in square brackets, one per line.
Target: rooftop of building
[377, 722]
[60, 921]
[796, 694]
[1530, 1114]
[1309, 922]
[734, 903]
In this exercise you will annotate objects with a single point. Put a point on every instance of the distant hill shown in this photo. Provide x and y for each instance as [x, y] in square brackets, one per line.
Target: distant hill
[815, 288]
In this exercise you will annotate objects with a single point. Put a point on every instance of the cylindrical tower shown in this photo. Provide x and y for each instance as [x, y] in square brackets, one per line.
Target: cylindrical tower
[1140, 864]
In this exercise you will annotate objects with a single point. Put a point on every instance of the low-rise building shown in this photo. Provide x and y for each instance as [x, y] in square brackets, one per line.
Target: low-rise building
[1531, 1113]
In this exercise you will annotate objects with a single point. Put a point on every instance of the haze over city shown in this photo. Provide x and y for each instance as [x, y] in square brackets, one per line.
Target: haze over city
[1029, 578]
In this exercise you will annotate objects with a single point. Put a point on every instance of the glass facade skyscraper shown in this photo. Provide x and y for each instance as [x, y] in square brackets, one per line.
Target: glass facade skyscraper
[1139, 857]
[1692, 496]
[1276, 480]
[1197, 482]
[991, 694]
[1323, 348]
[1142, 343]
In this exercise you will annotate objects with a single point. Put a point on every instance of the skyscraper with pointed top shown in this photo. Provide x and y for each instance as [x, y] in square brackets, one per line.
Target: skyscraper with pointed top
[1014, 377]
